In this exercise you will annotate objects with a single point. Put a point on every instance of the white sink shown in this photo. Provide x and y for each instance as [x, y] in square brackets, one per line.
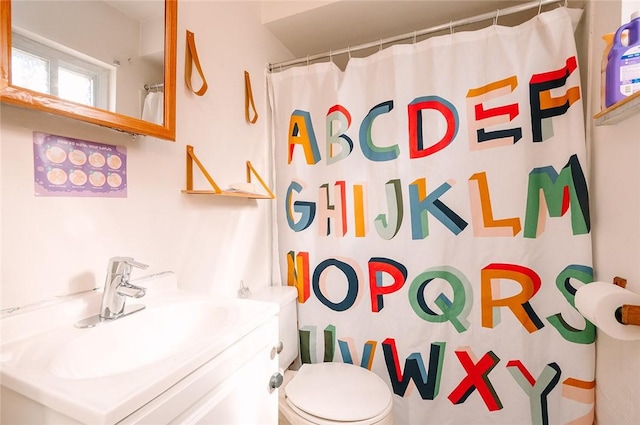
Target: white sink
[135, 341]
[101, 375]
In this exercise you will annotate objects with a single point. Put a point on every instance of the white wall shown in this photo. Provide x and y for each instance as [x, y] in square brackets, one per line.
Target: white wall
[53, 246]
[627, 8]
[615, 208]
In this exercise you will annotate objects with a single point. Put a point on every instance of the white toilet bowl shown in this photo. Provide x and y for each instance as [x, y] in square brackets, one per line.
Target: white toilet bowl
[334, 393]
[323, 393]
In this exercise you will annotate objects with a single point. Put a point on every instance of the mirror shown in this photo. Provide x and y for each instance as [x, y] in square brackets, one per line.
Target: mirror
[98, 102]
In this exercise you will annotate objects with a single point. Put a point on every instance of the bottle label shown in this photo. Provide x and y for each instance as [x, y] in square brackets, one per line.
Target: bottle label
[630, 71]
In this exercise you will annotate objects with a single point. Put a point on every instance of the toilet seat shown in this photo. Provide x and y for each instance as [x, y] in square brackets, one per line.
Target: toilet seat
[328, 393]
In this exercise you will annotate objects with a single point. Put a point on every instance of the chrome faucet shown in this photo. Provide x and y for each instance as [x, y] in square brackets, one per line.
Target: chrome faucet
[116, 289]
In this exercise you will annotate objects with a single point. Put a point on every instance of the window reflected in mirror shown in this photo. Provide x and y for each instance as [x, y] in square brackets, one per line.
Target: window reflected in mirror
[47, 68]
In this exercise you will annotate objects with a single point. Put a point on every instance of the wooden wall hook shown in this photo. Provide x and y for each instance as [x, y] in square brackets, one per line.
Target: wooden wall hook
[628, 314]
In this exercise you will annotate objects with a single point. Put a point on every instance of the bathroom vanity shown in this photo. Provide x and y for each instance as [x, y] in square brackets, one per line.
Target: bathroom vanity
[184, 358]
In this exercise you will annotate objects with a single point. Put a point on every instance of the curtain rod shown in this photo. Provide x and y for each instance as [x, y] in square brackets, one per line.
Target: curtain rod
[451, 25]
[148, 87]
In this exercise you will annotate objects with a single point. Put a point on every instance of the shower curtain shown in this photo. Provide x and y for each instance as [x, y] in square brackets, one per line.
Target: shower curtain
[153, 108]
[433, 215]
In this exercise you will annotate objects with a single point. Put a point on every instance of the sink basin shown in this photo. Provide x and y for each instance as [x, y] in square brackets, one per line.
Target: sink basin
[145, 337]
[104, 374]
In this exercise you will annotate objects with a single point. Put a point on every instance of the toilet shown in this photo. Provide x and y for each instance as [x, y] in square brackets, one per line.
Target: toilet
[323, 393]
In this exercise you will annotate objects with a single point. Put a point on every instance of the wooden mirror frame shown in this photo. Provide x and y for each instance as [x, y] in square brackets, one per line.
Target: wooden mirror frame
[43, 102]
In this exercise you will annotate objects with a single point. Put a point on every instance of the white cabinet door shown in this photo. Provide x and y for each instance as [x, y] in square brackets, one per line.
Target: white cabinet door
[246, 397]
[231, 389]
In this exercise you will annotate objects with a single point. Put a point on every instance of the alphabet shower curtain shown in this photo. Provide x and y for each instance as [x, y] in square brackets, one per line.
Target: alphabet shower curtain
[433, 215]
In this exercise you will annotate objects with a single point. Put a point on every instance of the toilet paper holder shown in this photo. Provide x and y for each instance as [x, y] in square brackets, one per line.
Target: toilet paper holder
[627, 314]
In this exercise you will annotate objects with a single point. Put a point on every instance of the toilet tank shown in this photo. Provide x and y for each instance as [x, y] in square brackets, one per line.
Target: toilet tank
[286, 297]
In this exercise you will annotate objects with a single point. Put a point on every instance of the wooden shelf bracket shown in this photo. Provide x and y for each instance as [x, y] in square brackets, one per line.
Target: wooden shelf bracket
[191, 158]
[251, 170]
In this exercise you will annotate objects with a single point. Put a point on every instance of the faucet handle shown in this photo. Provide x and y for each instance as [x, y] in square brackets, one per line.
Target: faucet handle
[128, 261]
[121, 266]
[137, 264]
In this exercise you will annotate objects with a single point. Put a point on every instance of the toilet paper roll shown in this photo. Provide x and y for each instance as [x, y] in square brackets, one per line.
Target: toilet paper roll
[598, 302]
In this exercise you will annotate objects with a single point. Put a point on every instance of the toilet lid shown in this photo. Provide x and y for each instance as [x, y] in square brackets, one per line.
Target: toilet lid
[338, 392]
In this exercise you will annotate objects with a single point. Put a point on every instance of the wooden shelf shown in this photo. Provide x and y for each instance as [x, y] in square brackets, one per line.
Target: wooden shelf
[191, 158]
[620, 111]
[227, 193]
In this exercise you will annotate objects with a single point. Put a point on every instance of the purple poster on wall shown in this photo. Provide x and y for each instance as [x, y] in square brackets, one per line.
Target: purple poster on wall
[70, 167]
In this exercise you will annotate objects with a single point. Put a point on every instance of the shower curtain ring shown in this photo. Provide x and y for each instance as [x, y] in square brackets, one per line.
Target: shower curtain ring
[380, 44]
[451, 27]
[539, 7]
[415, 36]
[349, 51]
[307, 60]
[495, 20]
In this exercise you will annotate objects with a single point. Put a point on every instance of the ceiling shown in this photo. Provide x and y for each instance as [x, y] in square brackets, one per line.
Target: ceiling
[333, 25]
[140, 10]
